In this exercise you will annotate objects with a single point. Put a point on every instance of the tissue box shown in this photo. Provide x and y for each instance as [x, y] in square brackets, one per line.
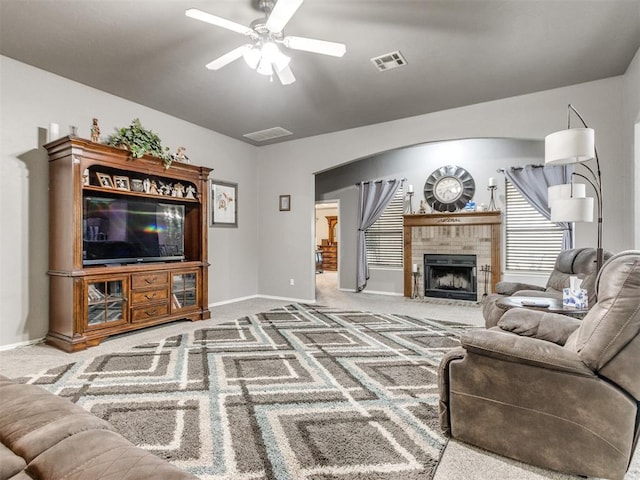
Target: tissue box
[576, 298]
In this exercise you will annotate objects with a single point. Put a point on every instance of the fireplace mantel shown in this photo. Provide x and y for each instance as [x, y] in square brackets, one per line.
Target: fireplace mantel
[464, 232]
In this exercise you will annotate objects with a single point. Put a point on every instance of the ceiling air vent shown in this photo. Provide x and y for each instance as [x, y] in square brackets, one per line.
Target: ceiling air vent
[389, 61]
[268, 134]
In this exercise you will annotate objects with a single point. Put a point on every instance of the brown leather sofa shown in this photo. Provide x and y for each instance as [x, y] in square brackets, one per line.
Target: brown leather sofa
[578, 262]
[46, 437]
[550, 390]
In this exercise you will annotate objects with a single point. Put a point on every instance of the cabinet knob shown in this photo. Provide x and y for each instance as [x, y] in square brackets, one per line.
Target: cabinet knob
[149, 297]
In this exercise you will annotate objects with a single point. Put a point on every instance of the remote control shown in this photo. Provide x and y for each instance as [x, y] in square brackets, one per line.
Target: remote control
[535, 303]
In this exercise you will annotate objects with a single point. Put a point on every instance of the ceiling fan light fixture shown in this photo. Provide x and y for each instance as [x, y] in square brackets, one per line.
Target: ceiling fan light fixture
[272, 54]
[264, 55]
[265, 67]
[252, 57]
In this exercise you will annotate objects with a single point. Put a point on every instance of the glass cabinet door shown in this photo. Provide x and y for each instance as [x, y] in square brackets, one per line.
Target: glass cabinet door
[184, 290]
[106, 303]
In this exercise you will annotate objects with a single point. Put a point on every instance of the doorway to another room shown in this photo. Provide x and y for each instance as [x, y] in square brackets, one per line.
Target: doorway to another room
[327, 235]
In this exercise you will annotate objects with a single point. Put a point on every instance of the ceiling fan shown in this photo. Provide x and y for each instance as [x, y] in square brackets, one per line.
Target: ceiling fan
[263, 54]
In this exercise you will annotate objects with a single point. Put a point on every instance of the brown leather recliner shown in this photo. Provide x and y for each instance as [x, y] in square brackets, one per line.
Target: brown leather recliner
[44, 436]
[579, 262]
[550, 390]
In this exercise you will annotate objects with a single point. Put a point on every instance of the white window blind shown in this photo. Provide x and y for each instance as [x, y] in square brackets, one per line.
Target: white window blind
[532, 242]
[384, 238]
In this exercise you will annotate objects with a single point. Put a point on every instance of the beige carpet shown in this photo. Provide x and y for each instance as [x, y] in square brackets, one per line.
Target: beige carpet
[459, 462]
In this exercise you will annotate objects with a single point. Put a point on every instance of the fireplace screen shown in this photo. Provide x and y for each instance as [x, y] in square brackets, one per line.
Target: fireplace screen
[450, 276]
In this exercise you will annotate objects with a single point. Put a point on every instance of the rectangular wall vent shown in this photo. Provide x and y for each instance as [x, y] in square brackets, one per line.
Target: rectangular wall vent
[389, 61]
[268, 134]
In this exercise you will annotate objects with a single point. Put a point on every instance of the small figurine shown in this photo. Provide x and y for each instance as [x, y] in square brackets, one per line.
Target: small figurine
[146, 185]
[178, 190]
[153, 189]
[95, 131]
[180, 156]
[85, 176]
[165, 188]
[423, 207]
[190, 192]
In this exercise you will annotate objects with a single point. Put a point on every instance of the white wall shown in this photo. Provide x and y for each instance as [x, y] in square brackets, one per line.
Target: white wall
[631, 105]
[529, 116]
[30, 100]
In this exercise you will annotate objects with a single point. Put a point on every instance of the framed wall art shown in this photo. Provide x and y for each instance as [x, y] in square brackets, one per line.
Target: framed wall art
[224, 204]
[285, 203]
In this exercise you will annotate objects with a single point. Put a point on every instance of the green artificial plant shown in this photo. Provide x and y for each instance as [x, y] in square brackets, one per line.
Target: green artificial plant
[140, 141]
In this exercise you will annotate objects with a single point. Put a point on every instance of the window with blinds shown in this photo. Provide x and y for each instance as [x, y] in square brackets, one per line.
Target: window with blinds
[532, 242]
[384, 238]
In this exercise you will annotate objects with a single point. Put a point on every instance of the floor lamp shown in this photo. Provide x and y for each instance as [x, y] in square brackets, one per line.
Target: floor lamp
[569, 202]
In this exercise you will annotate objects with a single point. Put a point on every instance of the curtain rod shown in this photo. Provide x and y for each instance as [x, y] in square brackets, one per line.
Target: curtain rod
[378, 181]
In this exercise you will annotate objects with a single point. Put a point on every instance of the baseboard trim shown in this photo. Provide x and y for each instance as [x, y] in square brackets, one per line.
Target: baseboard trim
[233, 300]
[268, 297]
[27, 343]
[389, 294]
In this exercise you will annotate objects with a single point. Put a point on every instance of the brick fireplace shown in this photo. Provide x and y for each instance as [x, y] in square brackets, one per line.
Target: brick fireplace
[466, 233]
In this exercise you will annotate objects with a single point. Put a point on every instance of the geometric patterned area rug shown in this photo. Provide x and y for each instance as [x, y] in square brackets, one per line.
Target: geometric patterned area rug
[299, 392]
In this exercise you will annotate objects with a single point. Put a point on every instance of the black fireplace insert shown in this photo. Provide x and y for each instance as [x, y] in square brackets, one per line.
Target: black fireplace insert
[450, 276]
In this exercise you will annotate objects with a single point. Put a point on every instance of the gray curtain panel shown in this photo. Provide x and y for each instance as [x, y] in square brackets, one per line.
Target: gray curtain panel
[532, 181]
[373, 199]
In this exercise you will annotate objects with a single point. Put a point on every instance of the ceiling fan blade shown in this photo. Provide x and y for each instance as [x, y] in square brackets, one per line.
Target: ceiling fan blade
[316, 46]
[218, 21]
[286, 76]
[281, 14]
[227, 58]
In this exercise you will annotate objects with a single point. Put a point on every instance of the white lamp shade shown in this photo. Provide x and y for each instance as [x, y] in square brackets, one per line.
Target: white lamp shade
[569, 146]
[572, 210]
[565, 190]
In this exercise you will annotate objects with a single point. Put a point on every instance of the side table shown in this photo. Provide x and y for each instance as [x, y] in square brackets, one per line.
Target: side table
[548, 304]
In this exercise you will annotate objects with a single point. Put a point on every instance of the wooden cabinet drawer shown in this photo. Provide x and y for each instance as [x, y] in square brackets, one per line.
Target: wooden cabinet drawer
[145, 296]
[145, 280]
[142, 314]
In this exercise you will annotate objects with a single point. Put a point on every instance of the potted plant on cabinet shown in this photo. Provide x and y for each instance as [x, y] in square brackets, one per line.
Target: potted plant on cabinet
[140, 141]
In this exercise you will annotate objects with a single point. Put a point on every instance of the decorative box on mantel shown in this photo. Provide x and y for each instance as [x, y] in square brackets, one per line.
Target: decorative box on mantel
[468, 233]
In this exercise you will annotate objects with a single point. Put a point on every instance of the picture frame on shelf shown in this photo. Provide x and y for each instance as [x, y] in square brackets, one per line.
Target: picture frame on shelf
[105, 180]
[137, 185]
[121, 182]
[285, 203]
[224, 204]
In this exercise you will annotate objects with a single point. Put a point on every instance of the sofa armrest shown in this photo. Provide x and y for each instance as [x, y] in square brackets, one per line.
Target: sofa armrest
[552, 327]
[509, 288]
[524, 350]
[538, 293]
[443, 387]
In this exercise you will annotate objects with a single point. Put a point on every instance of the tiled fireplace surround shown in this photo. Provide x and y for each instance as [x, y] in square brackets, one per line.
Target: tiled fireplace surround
[468, 233]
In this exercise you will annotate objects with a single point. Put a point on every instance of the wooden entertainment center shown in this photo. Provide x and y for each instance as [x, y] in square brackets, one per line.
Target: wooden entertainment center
[89, 300]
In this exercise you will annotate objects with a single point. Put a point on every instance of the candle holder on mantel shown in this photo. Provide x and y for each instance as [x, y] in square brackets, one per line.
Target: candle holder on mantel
[492, 201]
[415, 293]
[409, 207]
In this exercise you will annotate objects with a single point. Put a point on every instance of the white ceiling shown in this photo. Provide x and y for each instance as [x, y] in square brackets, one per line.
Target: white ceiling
[458, 53]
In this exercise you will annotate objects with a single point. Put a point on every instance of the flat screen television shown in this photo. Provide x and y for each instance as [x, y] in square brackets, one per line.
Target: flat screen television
[131, 230]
